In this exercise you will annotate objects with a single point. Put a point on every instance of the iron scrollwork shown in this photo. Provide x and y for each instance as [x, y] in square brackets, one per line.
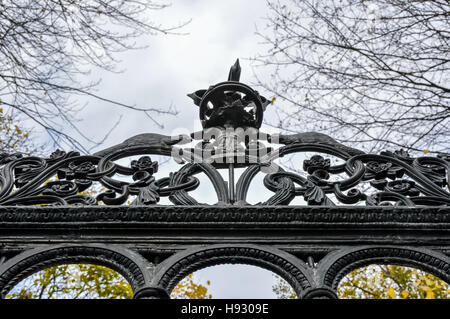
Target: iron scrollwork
[68, 178]
[231, 113]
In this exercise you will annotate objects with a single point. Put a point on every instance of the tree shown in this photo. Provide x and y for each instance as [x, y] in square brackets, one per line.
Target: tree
[374, 73]
[86, 281]
[189, 289]
[392, 282]
[382, 282]
[48, 47]
[82, 281]
[14, 138]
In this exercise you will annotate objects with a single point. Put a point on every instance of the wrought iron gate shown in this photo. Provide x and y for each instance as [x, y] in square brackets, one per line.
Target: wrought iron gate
[364, 209]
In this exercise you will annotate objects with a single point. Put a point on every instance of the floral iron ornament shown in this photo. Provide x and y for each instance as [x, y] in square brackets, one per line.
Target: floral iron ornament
[231, 113]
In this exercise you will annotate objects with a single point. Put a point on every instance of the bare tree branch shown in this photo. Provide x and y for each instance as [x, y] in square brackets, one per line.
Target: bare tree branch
[373, 73]
[48, 48]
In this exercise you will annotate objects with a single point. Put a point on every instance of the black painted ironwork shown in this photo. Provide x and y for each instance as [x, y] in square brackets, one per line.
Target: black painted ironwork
[387, 207]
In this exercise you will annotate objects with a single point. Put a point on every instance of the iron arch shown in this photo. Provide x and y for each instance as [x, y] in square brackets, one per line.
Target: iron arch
[129, 264]
[339, 263]
[287, 266]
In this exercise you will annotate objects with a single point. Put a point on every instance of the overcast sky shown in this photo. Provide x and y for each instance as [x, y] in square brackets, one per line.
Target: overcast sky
[162, 75]
[175, 65]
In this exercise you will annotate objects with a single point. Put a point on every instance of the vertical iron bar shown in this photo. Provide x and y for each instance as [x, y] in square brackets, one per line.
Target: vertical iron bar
[231, 183]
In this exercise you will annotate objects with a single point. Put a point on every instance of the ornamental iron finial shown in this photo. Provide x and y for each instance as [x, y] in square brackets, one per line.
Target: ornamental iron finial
[231, 103]
[235, 72]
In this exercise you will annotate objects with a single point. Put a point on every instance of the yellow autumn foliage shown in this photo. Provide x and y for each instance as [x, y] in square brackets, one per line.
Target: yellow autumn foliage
[86, 281]
[382, 282]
